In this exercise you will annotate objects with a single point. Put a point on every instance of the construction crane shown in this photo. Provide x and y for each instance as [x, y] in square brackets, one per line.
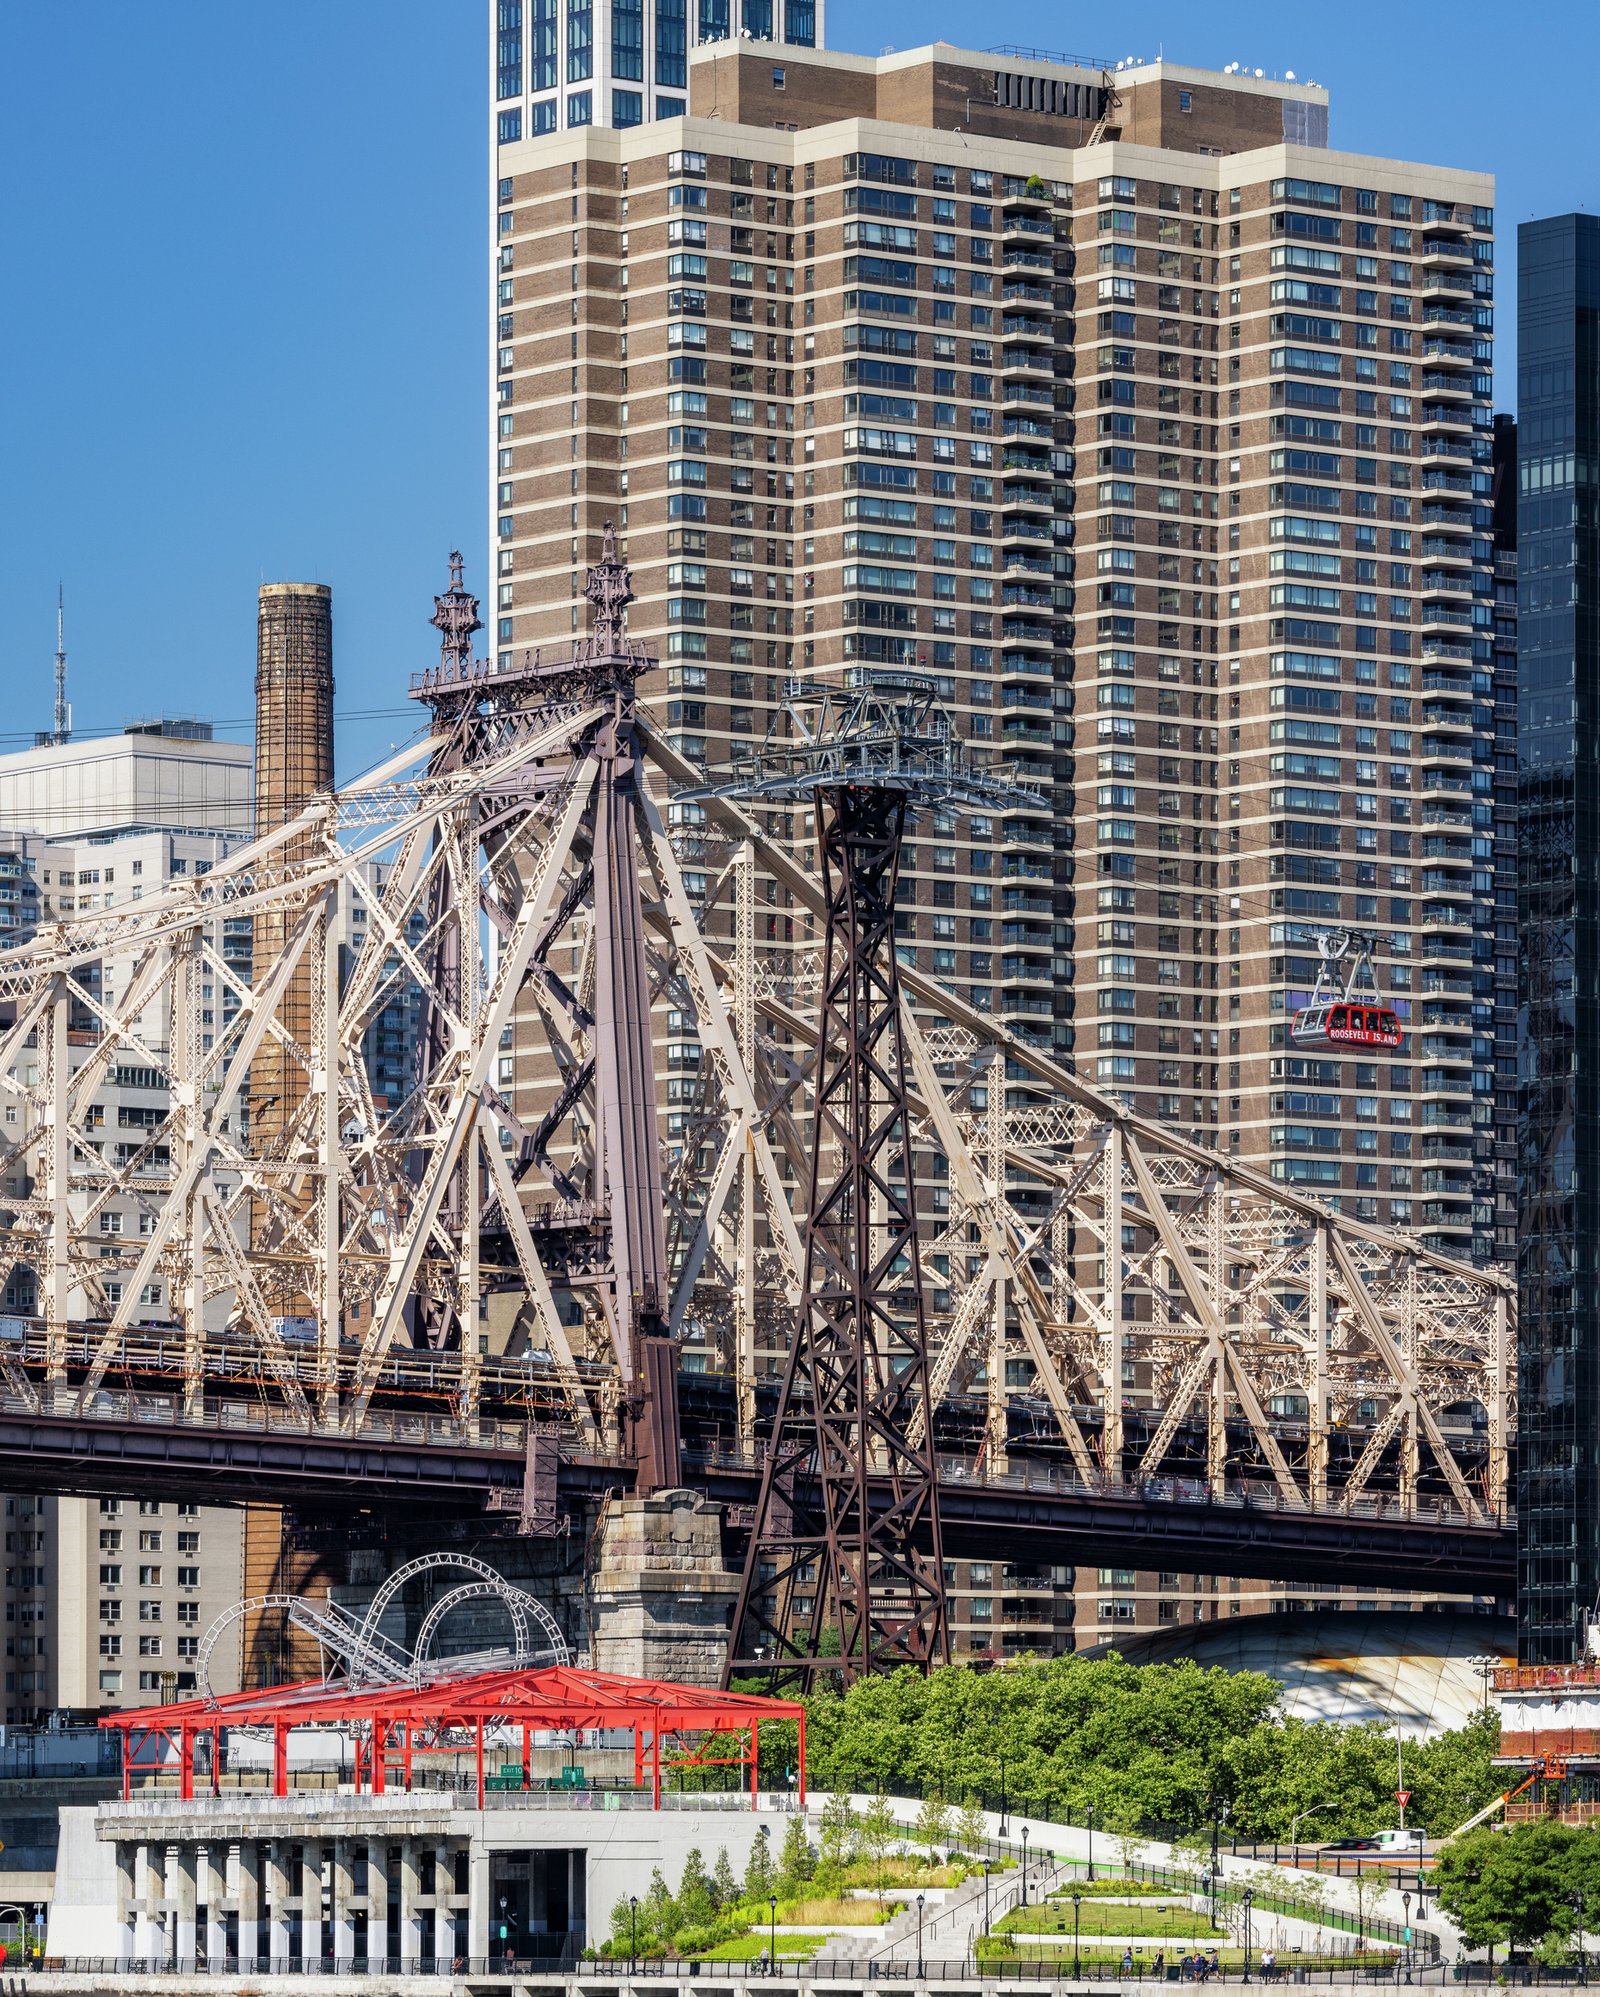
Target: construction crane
[848, 1509]
[1346, 1009]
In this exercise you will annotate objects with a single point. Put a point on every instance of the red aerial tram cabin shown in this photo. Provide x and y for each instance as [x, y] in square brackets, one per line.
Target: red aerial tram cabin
[1342, 1025]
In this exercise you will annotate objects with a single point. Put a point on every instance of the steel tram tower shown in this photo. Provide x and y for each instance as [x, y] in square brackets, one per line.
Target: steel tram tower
[848, 1508]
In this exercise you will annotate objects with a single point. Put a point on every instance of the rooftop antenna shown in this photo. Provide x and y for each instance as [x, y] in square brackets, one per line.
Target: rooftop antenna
[62, 732]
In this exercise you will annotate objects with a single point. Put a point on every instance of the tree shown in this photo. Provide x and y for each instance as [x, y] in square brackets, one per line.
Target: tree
[1123, 1825]
[658, 1911]
[837, 1836]
[1509, 1886]
[758, 1874]
[1366, 1889]
[796, 1862]
[970, 1826]
[933, 1826]
[696, 1902]
[875, 1833]
[724, 1887]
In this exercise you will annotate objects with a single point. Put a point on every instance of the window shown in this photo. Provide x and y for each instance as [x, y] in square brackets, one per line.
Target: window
[110, 1577]
[149, 1577]
[149, 1646]
[188, 1577]
[627, 107]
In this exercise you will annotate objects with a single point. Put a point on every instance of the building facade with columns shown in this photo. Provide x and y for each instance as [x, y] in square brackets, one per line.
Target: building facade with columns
[276, 1884]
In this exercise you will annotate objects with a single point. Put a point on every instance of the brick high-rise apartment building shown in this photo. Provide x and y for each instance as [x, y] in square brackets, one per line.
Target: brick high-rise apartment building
[1159, 434]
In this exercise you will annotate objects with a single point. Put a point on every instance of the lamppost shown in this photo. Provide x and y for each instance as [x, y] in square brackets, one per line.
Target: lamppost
[1077, 1903]
[633, 1933]
[1091, 1844]
[1248, 1897]
[1024, 1865]
[986, 1896]
[502, 1925]
[1405, 1930]
[772, 1933]
[1208, 1886]
[1577, 1928]
[920, 1898]
[1004, 1828]
[1299, 1819]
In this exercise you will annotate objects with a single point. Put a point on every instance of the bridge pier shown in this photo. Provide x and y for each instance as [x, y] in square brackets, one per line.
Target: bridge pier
[662, 1593]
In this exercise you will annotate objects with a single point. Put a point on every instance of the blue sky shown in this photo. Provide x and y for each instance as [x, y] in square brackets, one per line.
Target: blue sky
[242, 327]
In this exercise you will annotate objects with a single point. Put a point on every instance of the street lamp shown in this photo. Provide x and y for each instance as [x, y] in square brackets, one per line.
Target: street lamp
[1024, 1865]
[986, 1896]
[1577, 1928]
[633, 1933]
[1091, 1844]
[1248, 1897]
[1077, 1903]
[1004, 1828]
[1405, 1930]
[1299, 1819]
[772, 1932]
[920, 1898]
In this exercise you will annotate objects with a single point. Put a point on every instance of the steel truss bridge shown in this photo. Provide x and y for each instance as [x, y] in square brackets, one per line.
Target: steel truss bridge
[1318, 1396]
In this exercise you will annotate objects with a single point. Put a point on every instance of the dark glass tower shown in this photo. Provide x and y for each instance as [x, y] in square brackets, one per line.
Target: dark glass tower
[1558, 745]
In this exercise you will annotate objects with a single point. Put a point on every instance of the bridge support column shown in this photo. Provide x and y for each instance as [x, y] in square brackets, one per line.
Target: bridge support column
[662, 1592]
[148, 1935]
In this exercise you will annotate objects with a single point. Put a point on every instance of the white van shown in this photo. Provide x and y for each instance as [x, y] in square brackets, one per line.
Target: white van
[1398, 1841]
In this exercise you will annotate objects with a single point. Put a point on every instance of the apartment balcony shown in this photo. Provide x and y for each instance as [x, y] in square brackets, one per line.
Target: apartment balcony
[1029, 392]
[1028, 224]
[1443, 714]
[1020, 254]
[1445, 251]
[1019, 527]
[1023, 502]
[1026, 326]
[1015, 632]
[1018, 359]
[1438, 548]
[1440, 312]
[1436, 416]
[1438, 1116]
[1435, 478]
[1445, 648]
[1442, 350]
[1016, 664]
[1447, 447]
[1436, 383]
[1446, 277]
[1436, 615]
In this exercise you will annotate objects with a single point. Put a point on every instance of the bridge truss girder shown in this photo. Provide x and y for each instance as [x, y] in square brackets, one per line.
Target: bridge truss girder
[1129, 1242]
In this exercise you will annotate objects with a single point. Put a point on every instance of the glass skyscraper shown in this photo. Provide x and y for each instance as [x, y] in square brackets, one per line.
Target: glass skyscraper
[1558, 739]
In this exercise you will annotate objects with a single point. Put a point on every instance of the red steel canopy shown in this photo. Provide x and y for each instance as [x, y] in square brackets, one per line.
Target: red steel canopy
[391, 1723]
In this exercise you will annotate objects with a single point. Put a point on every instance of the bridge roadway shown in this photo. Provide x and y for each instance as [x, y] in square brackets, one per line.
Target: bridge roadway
[418, 1465]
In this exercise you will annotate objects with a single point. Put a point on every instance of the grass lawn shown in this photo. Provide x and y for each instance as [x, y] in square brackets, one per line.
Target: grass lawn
[1120, 1889]
[1110, 1917]
[1144, 1955]
[833, 1913]
[746, 1948]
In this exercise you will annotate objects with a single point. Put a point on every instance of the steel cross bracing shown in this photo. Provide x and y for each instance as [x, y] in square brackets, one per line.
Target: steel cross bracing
[1278, 1344]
